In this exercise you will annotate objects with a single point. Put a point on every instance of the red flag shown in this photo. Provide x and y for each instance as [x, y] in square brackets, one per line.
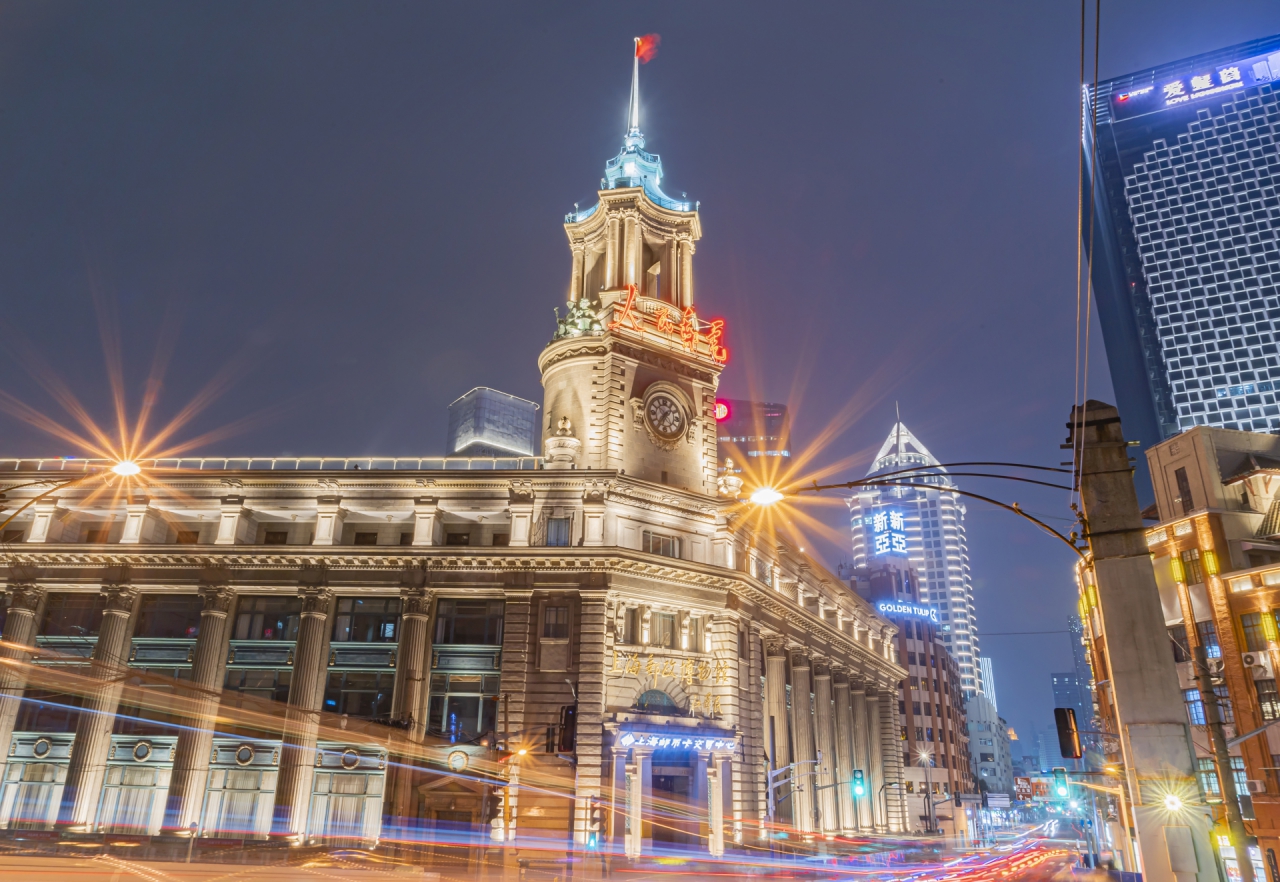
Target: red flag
[647, 47]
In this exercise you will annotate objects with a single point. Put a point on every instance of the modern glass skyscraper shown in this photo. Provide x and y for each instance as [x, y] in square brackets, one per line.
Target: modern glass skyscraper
[926, 526]
[1185, 253]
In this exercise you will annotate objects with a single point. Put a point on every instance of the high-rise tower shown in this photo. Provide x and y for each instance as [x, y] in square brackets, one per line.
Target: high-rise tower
[925, 525]
[632, 367]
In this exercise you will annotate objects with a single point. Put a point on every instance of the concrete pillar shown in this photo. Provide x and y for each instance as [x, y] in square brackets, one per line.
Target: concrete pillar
[1155, 741]
[302, 717]
[235, 522]
[876, 761]
[26, 604]
[97, 715]
[47, 522]
[329, 519]
[825, 793]
[589, 739]
[575, 277]
[426, 522]
[844, 753]
[195, 740]
[802, 742]
[639, 799]
[777, 742]
[520, 503]
[862, 756]
[686, 274]
[715, 807]
[611, 254]
[593, 516]
[139, 523]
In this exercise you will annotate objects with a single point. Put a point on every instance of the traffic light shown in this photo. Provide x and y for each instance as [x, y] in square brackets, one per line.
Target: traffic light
[595, 823]
[1061, 789]
[568, 728]
[859, 783]
[1068, 734]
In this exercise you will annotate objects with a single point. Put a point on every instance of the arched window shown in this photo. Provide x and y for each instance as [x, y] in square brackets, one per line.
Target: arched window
[655, 700]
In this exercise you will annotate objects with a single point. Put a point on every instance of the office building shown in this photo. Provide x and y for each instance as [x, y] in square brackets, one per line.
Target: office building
[750, 430]
[989, 749]
[924, 526]
[486, 422]
[299, 650]
[1183, 240]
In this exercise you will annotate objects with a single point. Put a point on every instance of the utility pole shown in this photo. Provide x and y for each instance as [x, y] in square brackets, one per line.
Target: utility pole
[1222, 760]
[1140, 682]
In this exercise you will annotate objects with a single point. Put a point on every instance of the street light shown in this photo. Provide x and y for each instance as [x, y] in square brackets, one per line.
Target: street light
[126, 468]
[925, 758]
[766, 496]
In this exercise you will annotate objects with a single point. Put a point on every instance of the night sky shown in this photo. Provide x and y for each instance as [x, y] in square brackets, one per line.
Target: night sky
[354, 212]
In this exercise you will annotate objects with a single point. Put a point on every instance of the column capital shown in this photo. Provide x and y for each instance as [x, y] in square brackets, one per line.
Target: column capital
[775, 646]
[218, 598]
[839, 677]
[800, 658]
[416, 601]
[26, 596]
[315, 599]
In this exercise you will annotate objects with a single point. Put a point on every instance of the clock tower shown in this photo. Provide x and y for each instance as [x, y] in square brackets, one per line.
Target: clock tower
[633, 367]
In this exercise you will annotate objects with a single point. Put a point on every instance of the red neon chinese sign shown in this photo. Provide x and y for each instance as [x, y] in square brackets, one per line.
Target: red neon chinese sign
[678, 326]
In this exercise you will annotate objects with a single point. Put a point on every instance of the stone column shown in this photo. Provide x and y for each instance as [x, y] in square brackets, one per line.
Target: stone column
[302, 717]
[575, 277]
[686, 274]
[611, 254]
[46, 522]
[844, 753]
[891, 750]
[876, 761]
[589, 738]
[330, 516]
[825, 792]
[802, 729]
[26, 603]
[139, 523]
[235, 522]
[425, 521]
[751, 722]
[195, 740]
[630, 253]
[777, 743]
[862, 756]
[97, 715]
[715, 807]
[413, 655]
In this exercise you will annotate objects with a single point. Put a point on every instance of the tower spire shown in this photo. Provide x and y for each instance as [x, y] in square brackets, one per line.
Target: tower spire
[633, 115]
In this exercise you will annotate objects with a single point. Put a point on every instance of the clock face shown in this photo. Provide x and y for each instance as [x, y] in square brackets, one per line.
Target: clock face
[664, 417]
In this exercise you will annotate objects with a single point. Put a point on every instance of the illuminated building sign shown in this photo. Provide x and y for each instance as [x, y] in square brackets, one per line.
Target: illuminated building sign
[1197, 84]
[676, 741]
[888, 532]
[679, 326]
[900, 609]
[722, 411]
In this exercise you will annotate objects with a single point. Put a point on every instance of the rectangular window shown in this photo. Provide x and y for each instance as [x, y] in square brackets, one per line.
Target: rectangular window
[1191, 566]
[269, 684]
[1195, 707]
[1178, 638]
[631, 627]
[457, 538]
[73, 615]
[555, 623]
[501, 540]
[1208, 635]
[656, 543]
[46, 711]
[763, 571]
[919, 734]
[11, 536]
[366, 538]
[928, 733]
[275, 537]
[169, 615]
[1255, 639]
[1268, 699]
[96, 536]
[915, 708]
[558, 532]
[366, 620]
[365, 694]
[911, 660]
[268, 618]
[1224, 704]
[406, 538]
[662, 630]
[1184, 490]
[474, 622]
[188, 537]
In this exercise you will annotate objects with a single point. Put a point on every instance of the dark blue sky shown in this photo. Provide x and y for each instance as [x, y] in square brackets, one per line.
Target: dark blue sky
[360, 205]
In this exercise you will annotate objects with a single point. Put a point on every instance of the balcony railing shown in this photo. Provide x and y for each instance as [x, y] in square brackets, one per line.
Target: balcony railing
[283, 463]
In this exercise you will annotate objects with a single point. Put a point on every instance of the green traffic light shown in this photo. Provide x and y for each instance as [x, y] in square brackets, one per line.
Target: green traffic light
[859, 787]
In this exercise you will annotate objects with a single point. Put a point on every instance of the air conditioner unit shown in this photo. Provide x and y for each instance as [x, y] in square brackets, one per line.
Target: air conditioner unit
[1258, 664]
[1257, 786]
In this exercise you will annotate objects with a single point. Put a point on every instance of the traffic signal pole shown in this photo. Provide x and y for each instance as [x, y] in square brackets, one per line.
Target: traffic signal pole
[1140, 680]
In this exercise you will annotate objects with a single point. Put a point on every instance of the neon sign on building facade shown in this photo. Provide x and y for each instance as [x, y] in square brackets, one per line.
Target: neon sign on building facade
[888, 531]
[900, 609]
[676, 325]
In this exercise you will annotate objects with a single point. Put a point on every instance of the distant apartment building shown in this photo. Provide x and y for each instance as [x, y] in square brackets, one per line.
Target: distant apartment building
[751, 429]
[486, 422]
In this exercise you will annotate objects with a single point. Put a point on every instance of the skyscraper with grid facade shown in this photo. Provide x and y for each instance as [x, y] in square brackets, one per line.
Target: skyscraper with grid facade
[1183, 239]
